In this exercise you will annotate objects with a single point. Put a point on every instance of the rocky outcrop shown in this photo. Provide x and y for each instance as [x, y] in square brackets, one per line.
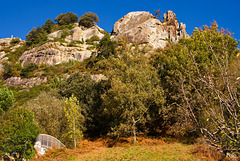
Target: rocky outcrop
[18, 81]
[6, 43]
[174, 29]
[53, 53]
[98, 77]
[79, 34]
[143, 27]
[56, 34]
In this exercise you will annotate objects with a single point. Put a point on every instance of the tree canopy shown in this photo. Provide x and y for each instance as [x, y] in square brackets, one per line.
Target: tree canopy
[48, 26]
[18, 132]
[194, 74]
[66, 18]
[134, 88]
[88, 20]
[36, 36]
[75, 119]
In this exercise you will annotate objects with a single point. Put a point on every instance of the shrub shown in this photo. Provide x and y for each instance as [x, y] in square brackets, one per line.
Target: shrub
[28, 69]
[65, 33]
[48, 25]
[14, 56]
[11, 69]
[88, 20]
[36, 36]
[106, 47]
[66, 18]
[92, 39]
[15, 41]
[49, 115]
[6, 100]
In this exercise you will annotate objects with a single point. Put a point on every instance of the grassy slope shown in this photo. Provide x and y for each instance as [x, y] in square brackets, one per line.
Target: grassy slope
[173, 151]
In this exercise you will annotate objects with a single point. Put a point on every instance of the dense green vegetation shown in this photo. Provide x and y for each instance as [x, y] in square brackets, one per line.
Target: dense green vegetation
[88, 20]
[18, 133]
[187, 89]
[6, 100]
[66, 18]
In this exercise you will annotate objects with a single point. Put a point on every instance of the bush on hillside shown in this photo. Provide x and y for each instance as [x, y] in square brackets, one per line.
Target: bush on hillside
[48, 26]
[28, 69]
[36, 36]
[6, 100]
[66, 18]
[15, 41]
[88, 20]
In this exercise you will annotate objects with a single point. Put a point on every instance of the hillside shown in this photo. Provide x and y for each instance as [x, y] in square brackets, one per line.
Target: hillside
[148, 77]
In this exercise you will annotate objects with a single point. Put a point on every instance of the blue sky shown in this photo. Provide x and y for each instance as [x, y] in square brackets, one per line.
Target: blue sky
[19, 17]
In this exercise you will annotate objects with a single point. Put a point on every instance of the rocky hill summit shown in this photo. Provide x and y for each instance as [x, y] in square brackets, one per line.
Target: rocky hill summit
[137, 27]
[143, 27]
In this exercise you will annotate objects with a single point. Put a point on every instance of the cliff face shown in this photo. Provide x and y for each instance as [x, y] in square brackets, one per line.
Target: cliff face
[143, 27]
[53, 53]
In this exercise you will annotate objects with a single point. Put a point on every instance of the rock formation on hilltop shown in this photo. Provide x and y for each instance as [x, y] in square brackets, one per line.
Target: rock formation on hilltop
[79, 33]
[143, 27]
[138, 27]
[53, 53]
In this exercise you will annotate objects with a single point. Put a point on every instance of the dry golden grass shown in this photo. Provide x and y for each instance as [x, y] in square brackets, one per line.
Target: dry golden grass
[205, 152]
[123, 149]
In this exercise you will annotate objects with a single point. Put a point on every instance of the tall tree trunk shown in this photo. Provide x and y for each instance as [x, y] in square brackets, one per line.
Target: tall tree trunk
[134, 131]
[74, 131]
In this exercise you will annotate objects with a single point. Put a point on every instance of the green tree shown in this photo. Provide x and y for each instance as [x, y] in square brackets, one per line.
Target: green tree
[66, 18]
[6, 100]
[134, 89]
[48, 26]
[84, 88]
[106, 47]
[75, 119]
[49, 114]
[36, 36]
[88, 20]
[218, 116]
[195, 78]
[175, 63]
[18, 132]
